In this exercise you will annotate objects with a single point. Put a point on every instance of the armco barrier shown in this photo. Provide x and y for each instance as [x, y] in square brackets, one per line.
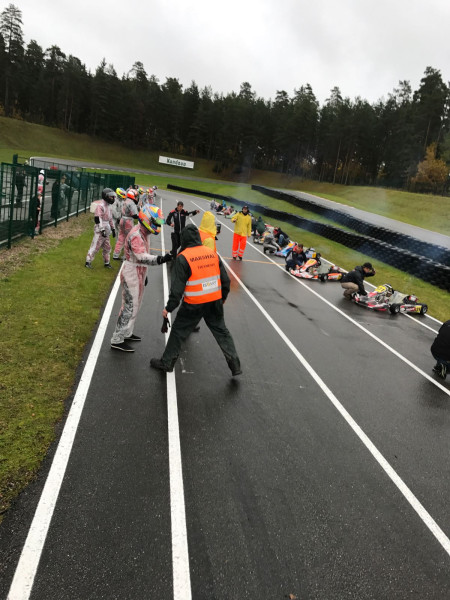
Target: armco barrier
[434, 251]
[420, 266]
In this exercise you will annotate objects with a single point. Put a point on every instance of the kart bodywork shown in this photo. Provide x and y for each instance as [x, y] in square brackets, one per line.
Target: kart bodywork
[384, 298]
[314, 269]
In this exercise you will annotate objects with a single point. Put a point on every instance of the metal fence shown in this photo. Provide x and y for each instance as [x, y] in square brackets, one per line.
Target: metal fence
[66, 192]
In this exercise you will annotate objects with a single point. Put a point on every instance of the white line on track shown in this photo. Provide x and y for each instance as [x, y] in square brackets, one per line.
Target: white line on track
[31, 553]
[391, 473]
[180, 555]
[369, 333]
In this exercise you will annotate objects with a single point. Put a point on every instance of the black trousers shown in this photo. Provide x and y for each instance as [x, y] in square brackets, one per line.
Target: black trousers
[188, 317]
[176, 242]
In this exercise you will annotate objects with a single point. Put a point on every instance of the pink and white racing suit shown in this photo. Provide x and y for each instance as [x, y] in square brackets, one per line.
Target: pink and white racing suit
[106, 224]
[129, 212]
[132, 278]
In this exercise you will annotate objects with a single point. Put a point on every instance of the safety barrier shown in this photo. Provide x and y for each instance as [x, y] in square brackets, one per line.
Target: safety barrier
[420, 266]
[400, 240]
[65, 193]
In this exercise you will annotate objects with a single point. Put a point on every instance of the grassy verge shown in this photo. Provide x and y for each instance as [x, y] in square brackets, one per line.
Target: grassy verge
[50, 305]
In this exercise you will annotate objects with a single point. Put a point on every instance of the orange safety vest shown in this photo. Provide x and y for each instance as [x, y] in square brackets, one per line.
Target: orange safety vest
[205, 234]
[204, 284]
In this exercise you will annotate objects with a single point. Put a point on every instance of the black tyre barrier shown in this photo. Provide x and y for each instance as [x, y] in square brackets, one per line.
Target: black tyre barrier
[433, 251]
[405, 260]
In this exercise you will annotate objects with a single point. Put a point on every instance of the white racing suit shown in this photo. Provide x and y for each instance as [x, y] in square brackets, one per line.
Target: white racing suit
[132, 278]
[116, 211]
[129, 212]
[106, 224]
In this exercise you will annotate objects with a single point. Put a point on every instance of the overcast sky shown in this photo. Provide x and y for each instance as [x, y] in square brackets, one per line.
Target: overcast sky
[364, 47]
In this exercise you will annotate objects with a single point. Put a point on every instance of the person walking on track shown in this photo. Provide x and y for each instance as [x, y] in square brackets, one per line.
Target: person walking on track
[104, 226]
[129, 212]
[133, 275]
[242, 230]
[201, 281]
[177, 220]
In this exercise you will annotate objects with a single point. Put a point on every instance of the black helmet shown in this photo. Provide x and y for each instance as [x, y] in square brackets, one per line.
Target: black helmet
[109, 195]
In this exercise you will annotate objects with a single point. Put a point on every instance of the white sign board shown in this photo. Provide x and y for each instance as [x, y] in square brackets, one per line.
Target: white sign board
[176, 162]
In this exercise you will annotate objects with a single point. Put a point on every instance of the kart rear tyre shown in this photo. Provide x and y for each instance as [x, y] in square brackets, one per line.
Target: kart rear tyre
[424, 309]
[394, 309]
[323, 277]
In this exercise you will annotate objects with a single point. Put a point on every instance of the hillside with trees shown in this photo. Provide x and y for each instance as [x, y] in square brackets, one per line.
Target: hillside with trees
[402, 141]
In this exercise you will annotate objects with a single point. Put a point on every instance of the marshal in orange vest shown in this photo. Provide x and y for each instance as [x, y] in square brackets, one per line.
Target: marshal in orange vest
[204, 284]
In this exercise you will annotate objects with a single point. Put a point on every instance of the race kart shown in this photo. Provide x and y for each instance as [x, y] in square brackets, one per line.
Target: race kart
[313, 269]
[284, 251]
[384, 298]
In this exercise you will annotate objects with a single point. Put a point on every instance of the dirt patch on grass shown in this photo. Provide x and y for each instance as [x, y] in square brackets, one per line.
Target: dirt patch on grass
[22, 251]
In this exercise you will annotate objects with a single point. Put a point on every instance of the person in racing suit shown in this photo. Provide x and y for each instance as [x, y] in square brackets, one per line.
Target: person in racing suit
[104, 226]
[440, 349]
[353, 281]
[129, 212]
[177, 220]
[295, 257]
[200, 280]
[133, 276]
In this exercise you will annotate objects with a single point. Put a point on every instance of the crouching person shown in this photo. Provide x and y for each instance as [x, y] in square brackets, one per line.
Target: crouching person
[133, 276]
[440, 350]
[353, 281]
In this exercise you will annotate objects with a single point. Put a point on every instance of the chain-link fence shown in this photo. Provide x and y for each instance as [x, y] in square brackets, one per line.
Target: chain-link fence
[65, 192]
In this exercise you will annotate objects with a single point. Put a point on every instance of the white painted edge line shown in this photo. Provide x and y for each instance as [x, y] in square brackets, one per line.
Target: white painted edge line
[391, 473]
[27, 566]
[180, 554]
[369, 333]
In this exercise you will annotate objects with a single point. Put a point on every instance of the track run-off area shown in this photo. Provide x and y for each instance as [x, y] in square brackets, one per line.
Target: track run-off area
[321, 473]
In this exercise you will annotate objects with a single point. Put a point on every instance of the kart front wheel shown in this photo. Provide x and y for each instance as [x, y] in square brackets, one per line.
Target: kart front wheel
[323, 277]
[424, 309]
[394, 309]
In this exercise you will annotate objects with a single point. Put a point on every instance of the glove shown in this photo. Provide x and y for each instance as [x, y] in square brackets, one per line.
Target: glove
[103, 233]
[146, 281]
[165, 326]
[113, 233]
[163, 259]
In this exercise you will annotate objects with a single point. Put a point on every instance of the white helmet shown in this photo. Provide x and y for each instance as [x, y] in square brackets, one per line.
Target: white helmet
[42, 172]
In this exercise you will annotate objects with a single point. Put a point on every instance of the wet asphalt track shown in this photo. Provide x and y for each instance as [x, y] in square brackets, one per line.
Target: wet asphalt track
[281, 496]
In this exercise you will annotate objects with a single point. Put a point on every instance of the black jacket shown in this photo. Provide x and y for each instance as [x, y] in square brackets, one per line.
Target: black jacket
[179, 218]
[441, 345]
[181, 271]
[357, 276]
[298, 258]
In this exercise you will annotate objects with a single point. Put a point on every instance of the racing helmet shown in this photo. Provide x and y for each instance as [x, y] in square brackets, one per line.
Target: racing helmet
[141, 190]
[389, 290]
[42, 172]
[155, 187]
[132, 194]
[109, 195]
[121, 193]
[151, 217]
[411, 298]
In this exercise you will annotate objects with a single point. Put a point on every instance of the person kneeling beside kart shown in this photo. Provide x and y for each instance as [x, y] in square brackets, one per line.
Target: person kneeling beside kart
[270, 243]
[353, 281]
[296, 257]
